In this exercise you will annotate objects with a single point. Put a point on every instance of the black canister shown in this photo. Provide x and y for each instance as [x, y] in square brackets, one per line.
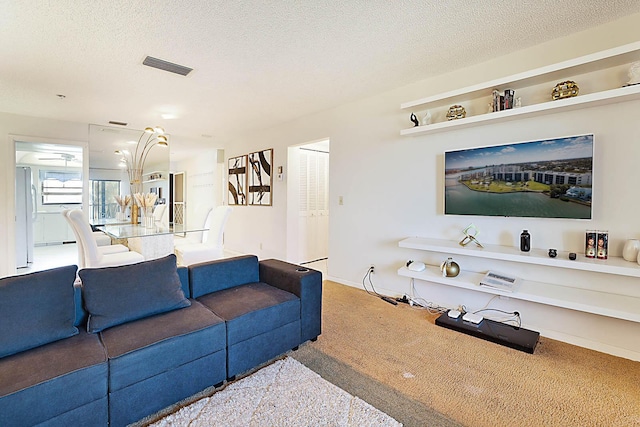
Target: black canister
[525, 241]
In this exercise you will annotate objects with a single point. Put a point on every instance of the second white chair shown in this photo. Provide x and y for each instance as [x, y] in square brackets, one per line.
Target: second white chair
[211, 246]
[93, 257]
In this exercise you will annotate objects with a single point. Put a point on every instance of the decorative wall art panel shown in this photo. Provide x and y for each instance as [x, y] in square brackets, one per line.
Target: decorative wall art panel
[260, 178]
[238, 180]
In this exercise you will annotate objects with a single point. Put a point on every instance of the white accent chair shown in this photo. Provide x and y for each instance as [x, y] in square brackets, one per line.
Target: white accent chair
[189, 238]
[211, 247]
[158, 213]
[103, 249]
[93, 256]
[101, 238]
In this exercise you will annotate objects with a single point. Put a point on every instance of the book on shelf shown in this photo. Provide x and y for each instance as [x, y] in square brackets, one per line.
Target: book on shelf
[500, 281]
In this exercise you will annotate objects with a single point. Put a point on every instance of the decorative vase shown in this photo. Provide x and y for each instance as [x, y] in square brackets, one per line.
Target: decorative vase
[450, 268]
[134, 214]
[631, 249]
[148, 217]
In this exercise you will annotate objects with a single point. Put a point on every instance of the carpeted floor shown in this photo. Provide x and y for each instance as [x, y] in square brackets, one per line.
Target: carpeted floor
[285, 393]
[398, 360]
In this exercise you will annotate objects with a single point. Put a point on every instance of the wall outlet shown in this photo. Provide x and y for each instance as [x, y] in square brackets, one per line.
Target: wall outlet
[372, 269]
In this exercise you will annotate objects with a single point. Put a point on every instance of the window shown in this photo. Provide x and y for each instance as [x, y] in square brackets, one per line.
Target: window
[102, 203]
[60, 188]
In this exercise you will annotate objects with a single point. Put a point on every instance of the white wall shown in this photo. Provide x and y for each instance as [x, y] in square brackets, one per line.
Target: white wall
[392, 185]
[204, 174]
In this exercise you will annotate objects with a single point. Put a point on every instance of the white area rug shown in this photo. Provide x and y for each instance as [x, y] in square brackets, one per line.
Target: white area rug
[285, 393]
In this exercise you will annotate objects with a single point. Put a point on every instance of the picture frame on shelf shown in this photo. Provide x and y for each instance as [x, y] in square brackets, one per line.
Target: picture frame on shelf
[237, 180]
[260, 178]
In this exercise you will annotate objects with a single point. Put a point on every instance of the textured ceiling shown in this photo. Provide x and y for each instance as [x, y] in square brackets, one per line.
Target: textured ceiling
[256, 63]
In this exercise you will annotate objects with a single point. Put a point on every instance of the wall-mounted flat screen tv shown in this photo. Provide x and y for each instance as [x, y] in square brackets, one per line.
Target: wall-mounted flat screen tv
[549, 178]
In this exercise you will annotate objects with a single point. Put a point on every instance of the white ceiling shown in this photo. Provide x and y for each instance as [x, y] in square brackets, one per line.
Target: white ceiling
[256, 63]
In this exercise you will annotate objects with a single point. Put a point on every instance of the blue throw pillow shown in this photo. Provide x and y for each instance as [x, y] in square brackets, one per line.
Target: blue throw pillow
[36, 309]
[116, 295]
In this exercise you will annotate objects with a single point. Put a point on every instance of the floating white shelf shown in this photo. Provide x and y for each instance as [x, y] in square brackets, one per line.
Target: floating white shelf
[606, 60]
[163, 177]
[613, 265]
[622, 94]
[602, 303]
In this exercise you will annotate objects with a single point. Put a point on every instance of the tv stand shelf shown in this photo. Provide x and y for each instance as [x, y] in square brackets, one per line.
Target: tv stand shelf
[625, 307]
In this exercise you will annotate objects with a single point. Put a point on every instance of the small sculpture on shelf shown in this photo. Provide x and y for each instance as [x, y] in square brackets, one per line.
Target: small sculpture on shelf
[517, 103]
[470, 233]
[566, 89]
[414, 119]
[634, 74]
[456, 112]
[426, 119]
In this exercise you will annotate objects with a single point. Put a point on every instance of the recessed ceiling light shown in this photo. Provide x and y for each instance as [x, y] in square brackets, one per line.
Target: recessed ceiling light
[168, 116]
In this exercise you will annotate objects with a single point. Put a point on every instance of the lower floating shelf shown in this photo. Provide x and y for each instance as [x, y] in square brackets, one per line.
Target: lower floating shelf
[499, 333]
[602, 303]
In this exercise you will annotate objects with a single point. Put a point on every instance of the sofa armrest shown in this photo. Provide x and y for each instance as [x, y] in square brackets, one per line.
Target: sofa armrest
[304, 283]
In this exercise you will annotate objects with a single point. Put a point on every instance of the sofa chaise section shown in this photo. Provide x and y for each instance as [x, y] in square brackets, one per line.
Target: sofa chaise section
[263, 320]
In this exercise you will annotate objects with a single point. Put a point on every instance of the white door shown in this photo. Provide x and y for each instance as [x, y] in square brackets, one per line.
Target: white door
[313, 224]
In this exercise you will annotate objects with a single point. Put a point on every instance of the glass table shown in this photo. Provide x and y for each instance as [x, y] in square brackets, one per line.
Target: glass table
[152, 242]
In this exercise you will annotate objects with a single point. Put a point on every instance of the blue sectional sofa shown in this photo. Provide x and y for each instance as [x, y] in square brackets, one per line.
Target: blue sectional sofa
[131, 340]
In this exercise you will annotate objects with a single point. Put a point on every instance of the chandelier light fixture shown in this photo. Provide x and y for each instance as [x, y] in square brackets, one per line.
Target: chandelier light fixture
[134, 159]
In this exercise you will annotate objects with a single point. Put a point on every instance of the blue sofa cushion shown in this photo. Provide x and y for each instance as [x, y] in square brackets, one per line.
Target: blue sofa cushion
[38, 385]
[222, 274]
[253, 309]
[37, 309]
[116, 295]
[153, 345]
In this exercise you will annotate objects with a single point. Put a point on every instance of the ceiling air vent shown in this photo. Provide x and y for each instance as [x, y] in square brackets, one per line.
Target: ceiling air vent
[113, 122]
[166, 66]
